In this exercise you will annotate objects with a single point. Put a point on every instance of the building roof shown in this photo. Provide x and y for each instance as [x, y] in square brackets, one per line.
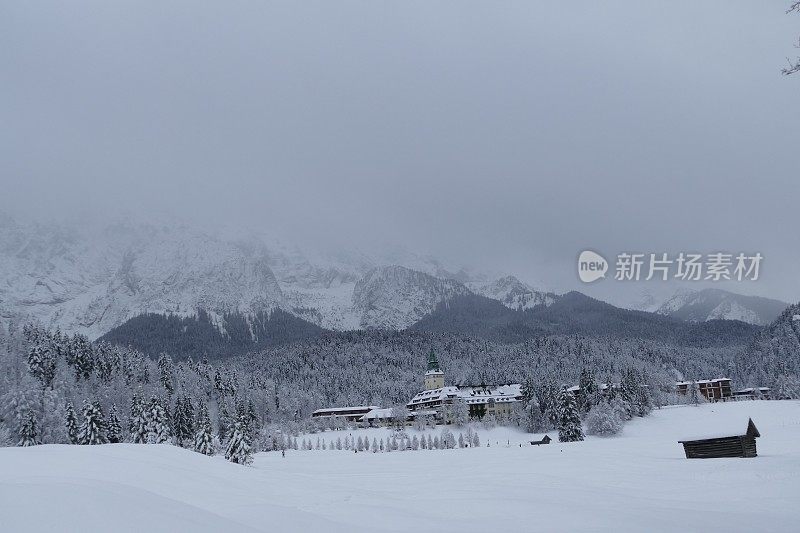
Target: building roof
[470, 394]
[724, 428]
[351, 409]
[750, 390]
[601, 386]
[699, 381]
[379, 414]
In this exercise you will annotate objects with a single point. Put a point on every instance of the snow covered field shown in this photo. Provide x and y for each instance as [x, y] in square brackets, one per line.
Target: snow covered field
[638, 481]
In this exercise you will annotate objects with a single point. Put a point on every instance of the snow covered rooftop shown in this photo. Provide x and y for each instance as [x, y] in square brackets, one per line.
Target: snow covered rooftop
[469, 394]
[719, 427]
[716, 380]
[379, 414]
[342, 410]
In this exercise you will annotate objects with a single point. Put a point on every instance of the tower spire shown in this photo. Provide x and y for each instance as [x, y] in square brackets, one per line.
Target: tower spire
[433, 363]
[434, 377]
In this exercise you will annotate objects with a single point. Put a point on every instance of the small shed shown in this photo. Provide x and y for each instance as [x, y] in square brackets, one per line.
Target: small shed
[742, 445]
[545, 440]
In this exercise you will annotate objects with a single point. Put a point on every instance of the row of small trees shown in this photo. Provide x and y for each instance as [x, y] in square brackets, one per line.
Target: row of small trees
[149, 424]
[445, 440]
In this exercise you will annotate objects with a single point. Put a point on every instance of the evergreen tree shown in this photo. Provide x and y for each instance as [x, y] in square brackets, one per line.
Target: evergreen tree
[138, 421]
[533, 419]
[114, 431]
[528, 390]
[203, 439]
[42, 362]
[157, 428]
[569, 424]
[547, 396]
[224, 419]
[628, 391]
[448, 440]
[93, 425]
[693, 394]
[476, 441]
[28, 433]
[617, 405]
[166, 373]
[183, 420]
[72, 424]
[786, 386]
[238, 450]
[588, 389]
[252, 419]
[80, 355]
[635, 393]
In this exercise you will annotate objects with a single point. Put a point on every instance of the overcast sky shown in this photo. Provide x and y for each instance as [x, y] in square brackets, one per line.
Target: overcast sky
[504, 135]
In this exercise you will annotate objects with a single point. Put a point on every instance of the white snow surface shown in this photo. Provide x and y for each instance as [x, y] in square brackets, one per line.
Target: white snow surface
[638, 481]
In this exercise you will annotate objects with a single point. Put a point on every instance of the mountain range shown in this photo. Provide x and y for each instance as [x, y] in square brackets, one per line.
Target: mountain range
[713, 304]
[171, 277]
[94, 279]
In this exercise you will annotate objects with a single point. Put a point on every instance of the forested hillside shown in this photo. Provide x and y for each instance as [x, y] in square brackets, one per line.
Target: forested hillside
[576, 313]
[200, 337]
[774, 355]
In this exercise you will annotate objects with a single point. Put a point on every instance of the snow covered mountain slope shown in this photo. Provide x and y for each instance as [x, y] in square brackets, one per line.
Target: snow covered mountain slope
[512, 293]
[714, 304]
[91, 279]
[395, 297]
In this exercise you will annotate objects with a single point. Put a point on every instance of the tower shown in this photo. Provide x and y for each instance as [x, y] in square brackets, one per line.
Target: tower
[434, 377]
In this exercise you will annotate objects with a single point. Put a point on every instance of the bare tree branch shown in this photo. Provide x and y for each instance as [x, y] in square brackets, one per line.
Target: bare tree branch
[794, 66]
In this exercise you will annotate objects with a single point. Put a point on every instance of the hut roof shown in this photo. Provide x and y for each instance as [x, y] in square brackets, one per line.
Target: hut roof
[735, 428]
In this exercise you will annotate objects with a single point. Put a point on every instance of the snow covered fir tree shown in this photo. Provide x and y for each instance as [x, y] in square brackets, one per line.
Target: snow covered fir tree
[93, 425]
[569, 420]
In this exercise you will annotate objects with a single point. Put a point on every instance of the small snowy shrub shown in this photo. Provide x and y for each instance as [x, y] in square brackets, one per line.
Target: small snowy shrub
[603, 420]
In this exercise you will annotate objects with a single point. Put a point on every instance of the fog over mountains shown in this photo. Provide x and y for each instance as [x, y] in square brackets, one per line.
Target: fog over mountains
[93, 279]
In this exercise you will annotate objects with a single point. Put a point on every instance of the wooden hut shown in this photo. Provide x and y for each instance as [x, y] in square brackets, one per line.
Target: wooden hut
[743, 445]
[545, 440]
